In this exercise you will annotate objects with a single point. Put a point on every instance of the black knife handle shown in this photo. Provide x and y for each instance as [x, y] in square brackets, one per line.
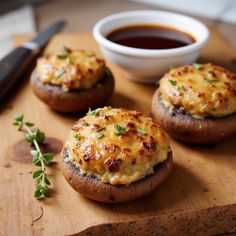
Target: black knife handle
[12, 66]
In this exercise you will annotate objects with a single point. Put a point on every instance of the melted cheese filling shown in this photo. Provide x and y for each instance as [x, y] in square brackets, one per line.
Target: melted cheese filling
[72, 70]
[116, 145]
[208, 91]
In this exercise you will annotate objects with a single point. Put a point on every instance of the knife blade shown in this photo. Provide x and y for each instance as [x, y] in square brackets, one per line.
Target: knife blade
[15, 63]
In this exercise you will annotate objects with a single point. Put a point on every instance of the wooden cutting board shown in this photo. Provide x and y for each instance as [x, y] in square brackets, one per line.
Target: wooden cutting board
[201, 188]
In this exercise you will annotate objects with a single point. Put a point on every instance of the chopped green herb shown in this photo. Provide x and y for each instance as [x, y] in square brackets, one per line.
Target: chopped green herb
[182, 87]
[100, 129]
[158, 83]
[66, 49]
[120, 130]
[61, 73]
[63, 55]
[89, 54]
[108, 73]
[77, 136]
[71, 61]
[211, 81]
[93, 112]
[197, 66]
[171, 67]
[85, 124]
[100, 135]
[205, 189]
[173, 82]
[46, 55]
[142, 131]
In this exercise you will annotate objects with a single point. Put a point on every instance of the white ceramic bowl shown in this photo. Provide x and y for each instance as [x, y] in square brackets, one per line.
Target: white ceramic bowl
[145, 65]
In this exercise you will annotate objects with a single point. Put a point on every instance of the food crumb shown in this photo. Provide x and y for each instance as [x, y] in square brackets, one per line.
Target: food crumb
[205, 189]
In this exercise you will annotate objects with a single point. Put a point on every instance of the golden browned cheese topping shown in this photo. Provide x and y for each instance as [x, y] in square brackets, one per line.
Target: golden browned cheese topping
[201, 90]
[117, 146]
[71, 69]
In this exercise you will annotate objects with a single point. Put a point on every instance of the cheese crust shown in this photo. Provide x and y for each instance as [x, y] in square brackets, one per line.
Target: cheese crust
[201, 90]
[117, 146]
[71, 69]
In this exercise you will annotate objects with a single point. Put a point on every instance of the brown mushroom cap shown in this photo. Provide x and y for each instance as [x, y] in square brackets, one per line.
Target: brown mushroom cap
[73, 101]
[95, 189]
[190, 129]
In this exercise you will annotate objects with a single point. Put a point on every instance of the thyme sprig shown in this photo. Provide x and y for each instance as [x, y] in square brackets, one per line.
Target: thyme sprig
[35, 137]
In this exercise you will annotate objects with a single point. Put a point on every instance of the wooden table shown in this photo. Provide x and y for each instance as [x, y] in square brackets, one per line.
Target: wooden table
[199, 196]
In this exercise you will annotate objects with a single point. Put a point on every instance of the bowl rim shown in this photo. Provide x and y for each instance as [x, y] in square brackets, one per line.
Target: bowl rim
[104, 42]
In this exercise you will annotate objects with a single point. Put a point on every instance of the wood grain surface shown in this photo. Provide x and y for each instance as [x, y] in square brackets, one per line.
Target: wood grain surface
[203, 176]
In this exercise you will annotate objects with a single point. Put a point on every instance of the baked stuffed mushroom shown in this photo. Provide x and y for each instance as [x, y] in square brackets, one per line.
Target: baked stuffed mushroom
[116, 155]
[197, 103]
[72, 80]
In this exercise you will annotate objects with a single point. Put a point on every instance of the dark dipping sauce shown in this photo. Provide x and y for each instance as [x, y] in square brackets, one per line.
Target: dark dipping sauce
[150, 37]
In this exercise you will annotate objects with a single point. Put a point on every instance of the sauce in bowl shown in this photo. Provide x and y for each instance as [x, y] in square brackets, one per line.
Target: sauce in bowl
[150, 37]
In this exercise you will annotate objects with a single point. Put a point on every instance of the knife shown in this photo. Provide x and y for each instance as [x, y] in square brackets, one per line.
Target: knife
[15, 63]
